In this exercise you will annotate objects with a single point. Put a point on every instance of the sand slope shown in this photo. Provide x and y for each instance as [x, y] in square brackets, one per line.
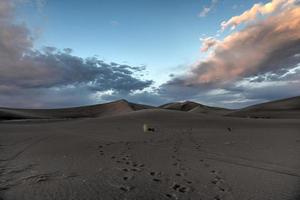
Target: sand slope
[193, 107]
[190, 156]
[117, 107]
[103, 153]
[285, 108]
[210, 110]
[181, 106]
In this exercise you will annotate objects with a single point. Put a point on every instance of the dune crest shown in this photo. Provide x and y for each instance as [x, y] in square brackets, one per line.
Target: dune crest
[100, 110]
[285, 108]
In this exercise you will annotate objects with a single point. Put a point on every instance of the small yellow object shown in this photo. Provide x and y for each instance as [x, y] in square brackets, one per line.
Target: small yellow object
[148, 129]
[145, 128]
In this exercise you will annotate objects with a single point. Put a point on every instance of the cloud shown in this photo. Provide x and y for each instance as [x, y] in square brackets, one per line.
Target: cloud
[208, 43]
[258, 9]
[257, 92]
[145, 97]
[206, 9]
[264, 53]
[232, 95]
[255, 64]
[5, 9]
[267, 46]
[27, 73]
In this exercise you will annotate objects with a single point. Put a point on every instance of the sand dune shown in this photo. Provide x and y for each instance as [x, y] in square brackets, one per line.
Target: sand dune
[102, 152]
[194, 107]
[181, 106]
[285, 108]
[107, 109]
[189, 156]
[210, 110]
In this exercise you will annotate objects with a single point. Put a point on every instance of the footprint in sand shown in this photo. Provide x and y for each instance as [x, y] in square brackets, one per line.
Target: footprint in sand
[152, 173]
[156, 180]
[126, 188]
[180, 188]
[125, 178]
[178, 174]
[3, 188]
[219, 182]
[125, 170]
[217, 197]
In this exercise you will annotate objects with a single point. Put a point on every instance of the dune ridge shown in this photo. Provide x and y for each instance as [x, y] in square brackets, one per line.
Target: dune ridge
[284, 108]
[106, 109]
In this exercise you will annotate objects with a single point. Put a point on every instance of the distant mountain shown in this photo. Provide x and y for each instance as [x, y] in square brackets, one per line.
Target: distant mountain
[100, 110]
[284, 108]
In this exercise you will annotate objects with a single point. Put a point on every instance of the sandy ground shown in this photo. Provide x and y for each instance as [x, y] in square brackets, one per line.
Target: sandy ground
[189, 156]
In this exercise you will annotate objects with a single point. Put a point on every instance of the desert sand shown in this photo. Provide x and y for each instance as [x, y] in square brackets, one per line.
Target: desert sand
[196, 152]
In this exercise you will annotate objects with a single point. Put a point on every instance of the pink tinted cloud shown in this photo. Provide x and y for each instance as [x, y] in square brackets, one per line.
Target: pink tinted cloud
[262, 9]
[268, 45]
[208, 43]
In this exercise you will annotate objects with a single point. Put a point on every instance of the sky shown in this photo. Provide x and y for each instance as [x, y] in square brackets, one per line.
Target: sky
[220, 53]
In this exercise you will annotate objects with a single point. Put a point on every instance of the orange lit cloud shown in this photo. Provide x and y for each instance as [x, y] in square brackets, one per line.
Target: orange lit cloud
[266, 46]
[262, 9]
[207, 43]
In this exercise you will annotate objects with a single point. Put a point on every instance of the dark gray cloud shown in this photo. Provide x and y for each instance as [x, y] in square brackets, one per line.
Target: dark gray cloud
[236, 94]
[145, 97]
[52, 77]
[48, 98]
[59, 79]
[258, 63]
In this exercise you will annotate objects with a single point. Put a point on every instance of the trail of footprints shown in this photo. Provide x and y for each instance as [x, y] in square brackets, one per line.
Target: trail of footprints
[184, 185]
[220, 183]
[128, 166]
[131, 169]
[179, 184]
